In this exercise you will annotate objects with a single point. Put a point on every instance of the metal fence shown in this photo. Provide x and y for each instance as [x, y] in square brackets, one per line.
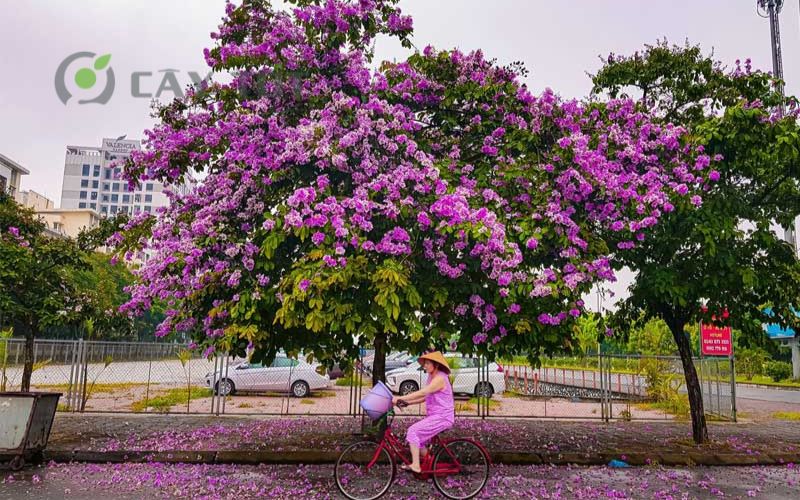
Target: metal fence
[166, 378]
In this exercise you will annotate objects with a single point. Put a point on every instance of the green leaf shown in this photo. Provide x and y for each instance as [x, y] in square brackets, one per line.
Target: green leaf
[102, 62]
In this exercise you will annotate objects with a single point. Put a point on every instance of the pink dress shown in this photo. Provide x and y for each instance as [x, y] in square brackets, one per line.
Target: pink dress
[440, 409]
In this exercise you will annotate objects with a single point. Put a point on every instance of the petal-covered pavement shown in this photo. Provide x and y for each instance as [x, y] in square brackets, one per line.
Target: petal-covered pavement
[158, 480]
[90, 433]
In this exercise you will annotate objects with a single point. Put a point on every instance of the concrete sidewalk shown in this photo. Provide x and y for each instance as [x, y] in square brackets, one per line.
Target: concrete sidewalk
[231, 439]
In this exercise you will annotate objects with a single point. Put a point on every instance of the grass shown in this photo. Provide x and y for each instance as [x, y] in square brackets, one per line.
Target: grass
[245, 405]
[786, 415]
[764, 380]
[322, 394]
[96, 389]
[623, 366]
[677, 406]
[62, 407]
[471, 405]
[166, 400]
[347, 381]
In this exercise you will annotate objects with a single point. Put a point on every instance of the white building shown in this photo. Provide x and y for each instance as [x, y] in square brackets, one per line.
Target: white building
[91, 181]
[10, 175]
[34, 200]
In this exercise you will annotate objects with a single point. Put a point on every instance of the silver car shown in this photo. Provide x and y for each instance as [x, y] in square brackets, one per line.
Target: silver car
[284, 374]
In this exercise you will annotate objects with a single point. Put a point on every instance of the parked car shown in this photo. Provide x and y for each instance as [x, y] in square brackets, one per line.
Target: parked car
[465, 379]
[393, 361]
[335, 372]
[284, 374]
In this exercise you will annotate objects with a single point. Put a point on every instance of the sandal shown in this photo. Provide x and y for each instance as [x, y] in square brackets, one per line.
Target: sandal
[407, 468]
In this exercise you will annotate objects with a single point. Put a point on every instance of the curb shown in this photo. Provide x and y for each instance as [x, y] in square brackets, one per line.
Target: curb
[252, 457]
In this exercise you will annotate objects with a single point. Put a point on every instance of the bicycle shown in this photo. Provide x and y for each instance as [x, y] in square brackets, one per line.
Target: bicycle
[459, 466]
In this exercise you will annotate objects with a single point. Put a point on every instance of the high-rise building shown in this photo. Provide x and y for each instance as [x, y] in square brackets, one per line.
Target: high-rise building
[10, 174]
[93, 181]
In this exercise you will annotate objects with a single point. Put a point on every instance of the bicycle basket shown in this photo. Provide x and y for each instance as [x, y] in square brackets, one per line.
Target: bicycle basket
[377, 402]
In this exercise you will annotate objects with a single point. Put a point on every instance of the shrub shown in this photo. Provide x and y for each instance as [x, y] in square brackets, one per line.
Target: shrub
[750, 362]
[778, 370]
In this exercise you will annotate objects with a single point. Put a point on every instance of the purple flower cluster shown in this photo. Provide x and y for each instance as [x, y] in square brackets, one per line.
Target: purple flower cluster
[309, 152]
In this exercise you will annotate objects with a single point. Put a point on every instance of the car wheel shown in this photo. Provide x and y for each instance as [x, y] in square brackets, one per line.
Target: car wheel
[224, 387]
[484, 390]
[300, 389]
[408, 387]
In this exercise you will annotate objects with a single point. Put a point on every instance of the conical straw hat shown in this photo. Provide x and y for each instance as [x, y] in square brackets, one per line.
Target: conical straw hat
[436, 357]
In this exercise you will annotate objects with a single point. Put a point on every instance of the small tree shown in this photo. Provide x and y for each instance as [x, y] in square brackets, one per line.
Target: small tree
[35, 289]
[721, 250]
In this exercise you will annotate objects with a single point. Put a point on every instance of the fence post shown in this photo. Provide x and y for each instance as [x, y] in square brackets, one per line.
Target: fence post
[83, 372]
[147, 386]
[526, 380]
[733, 388]
[70, 387]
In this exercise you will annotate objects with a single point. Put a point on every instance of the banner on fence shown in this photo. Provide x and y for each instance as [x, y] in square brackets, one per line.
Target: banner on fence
[715, 340]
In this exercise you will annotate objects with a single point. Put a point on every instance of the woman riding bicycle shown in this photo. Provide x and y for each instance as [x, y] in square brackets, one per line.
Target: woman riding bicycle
[439, 407]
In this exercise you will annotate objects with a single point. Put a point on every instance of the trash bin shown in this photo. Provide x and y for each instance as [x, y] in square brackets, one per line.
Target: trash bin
[25, 422]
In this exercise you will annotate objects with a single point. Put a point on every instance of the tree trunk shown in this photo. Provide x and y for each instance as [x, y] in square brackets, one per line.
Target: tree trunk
[27, 356]
[699, 428]
[379, 361]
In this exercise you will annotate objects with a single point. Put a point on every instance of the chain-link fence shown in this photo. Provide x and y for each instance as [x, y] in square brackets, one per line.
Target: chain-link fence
[167, 378]
[622, 387]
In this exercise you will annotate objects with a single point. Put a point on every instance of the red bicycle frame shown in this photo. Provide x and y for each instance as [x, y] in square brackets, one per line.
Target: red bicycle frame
[396, 449]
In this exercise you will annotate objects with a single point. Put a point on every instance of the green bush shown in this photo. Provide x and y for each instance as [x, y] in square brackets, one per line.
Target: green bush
[778, 370]
[750, 362]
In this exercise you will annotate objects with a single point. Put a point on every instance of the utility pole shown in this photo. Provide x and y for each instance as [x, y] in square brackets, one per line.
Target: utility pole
[770, 9]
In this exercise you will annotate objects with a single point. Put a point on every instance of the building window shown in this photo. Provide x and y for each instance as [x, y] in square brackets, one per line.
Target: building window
[113, 209]
[94, 195]
[149, 187]
[148, 198]
[126, 198]
[103, 209]
[93, 206]
[86, 170]
[105, 198]
[84, 183]
[116, 187]
[137, 209]
[148, 208]
[106, 186]
[137, 198]
[114, 198]
[95, 184]
[96, 172]
[3, 184]
[81, 205]
[83, 195]
[107, 174]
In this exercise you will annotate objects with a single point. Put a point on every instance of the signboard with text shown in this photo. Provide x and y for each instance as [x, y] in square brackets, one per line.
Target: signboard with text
[715, 340]
[120, 147]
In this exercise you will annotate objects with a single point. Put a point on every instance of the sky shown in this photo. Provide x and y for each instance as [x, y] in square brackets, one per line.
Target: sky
[559, 42]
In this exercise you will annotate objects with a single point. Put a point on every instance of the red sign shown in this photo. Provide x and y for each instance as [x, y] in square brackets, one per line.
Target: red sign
[715, 340]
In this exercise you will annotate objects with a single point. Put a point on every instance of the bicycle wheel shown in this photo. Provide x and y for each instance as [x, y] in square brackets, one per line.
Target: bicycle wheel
[460, 469]
[364, 473]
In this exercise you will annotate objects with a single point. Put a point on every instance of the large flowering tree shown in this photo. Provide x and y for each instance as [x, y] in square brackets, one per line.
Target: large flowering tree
[431, 202]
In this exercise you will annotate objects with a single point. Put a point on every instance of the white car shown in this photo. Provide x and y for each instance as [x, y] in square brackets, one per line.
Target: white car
[465, 379]
[296, 377]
